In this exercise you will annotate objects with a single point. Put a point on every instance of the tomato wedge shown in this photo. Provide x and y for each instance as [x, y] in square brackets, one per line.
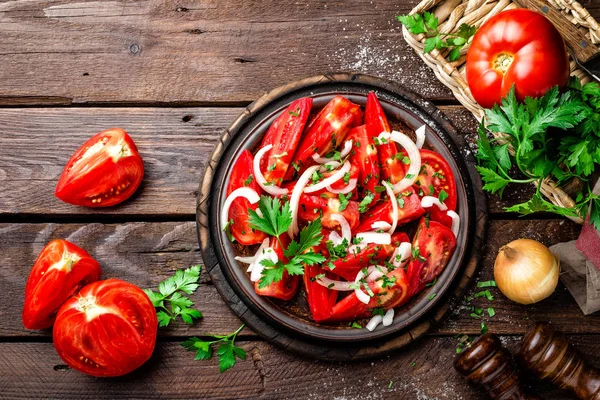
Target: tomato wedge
[313, 207]
[364, 155]
[241, 175]
[320, 299]
[436, 175]
[376, 122]
[60, 270]
[409, 209]
[103, 172]
[326, 131]
[284, 134]
[108, 329]
[287, 287]
[435, 243]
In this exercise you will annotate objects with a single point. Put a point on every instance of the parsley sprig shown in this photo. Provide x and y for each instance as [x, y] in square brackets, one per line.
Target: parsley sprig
[227, 351]
[170, 301]
[427, 23]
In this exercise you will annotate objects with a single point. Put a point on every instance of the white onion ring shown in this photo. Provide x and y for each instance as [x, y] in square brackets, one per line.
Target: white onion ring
[336, 176]
[340, 286]
[251, 259]
[374, 322]
[375, 272]
[420, 132]
[257, 269]
[390, 193]
[375, 237]
[381, 225]
[295, 198]
[455, 222]
[404, 251]
[246, 192]
[260, 178]
[332, 164]
[347, 148]
[346, 233]
[388, 318]
[356, 248]
[351, 186]
[413, 154]
[429, 201]
[362, 296]
[335, 238]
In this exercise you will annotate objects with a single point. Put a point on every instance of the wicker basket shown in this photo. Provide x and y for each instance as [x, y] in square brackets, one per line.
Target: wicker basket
[451, 14]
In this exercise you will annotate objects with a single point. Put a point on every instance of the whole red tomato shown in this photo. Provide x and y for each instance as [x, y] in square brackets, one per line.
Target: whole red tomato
[59, 272]
[516, 47]
[108, 329]
[103, 172]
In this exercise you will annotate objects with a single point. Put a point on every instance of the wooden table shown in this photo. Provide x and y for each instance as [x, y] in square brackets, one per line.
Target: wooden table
[174, 74]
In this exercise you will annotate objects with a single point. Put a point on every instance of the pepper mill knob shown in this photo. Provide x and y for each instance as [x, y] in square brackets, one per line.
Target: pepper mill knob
[549, 356]
[488, 366]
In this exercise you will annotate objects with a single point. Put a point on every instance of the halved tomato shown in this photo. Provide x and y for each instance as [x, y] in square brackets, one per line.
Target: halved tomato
[287, 287]
[435, 244]
[409, 209]
[59, 272]
[241, 175]
[103, 172]
[320, 299]
[108, 329]
[364, 155]
[313, 207]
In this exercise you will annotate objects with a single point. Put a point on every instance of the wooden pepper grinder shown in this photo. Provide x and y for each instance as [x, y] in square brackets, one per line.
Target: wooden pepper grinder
[549, 356]
[488, 366]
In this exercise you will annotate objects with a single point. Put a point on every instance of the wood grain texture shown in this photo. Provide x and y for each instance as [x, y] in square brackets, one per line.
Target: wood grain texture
[419, 372]
[146, 253]
[174, 143]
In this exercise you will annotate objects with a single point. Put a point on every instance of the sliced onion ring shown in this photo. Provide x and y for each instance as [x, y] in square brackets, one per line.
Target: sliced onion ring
[271, 189]
[340, 286]
[392, 196]
[375, 237]
[351, 186]
[375, 272]
[362, 296]
[388, 318]
[246, 192]
[420, 132]
[374, 322]
[336, 176]
[413, 154]
[251, 259]
[404, 251]
[295, 198]
[381, 225]
[455, 222]
[429, 201]
[345, 151]
[335, 238]
[356, 248]
[257, 269]
[346, 233]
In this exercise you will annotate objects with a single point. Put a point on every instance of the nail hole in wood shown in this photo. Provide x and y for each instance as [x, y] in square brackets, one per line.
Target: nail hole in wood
[243, 60]
[187, 118]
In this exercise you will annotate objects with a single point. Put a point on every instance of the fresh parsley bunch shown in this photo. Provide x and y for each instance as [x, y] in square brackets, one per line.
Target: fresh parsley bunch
[226, 350]
[170, 301]
[555, 136]
[427, 23]
[275, 220]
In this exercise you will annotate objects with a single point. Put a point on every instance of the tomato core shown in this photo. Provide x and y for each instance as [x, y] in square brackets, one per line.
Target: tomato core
[503, 61]
[88, 306]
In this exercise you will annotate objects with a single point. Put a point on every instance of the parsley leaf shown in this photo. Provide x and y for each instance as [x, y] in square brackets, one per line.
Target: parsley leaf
[227, 351]
[362, 207]
[344, 201]
[275, 219]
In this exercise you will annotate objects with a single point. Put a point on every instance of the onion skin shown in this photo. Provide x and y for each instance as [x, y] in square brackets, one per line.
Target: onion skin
[526, 271]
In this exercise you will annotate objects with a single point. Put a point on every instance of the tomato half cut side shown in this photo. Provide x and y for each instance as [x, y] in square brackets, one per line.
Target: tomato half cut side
[108, 329]
[409, 209]
[287, 287]
[313, 207]
[284, 134]
[435, 243]
[103, 172]
[241, 175]
[60, 270]
[320, 299]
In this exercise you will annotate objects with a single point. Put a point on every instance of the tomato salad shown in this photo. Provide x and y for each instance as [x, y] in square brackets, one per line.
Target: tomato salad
[332, 201]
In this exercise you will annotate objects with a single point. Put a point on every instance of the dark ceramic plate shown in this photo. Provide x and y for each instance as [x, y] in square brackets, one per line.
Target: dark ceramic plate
[288, 323]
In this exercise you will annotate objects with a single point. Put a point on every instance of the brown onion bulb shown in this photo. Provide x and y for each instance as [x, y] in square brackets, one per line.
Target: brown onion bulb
[526, 271]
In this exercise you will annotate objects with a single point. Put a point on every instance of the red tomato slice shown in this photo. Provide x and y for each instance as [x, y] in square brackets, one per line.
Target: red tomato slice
[241, 175]
[320, 299]
[284, 134]
[108, 329]
[287, 287]
[59, 272]
[376, 122]
[313, 207]
[409, 209]
[437, 174]
[435, 243]
[364, 155]
[103, 172]
[516, 47]
[327, 131]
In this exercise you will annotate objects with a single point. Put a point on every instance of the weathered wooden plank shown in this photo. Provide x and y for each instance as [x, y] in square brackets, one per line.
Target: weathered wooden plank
[204, 51]
[146, 253]
[423, 371]
[36, 143]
